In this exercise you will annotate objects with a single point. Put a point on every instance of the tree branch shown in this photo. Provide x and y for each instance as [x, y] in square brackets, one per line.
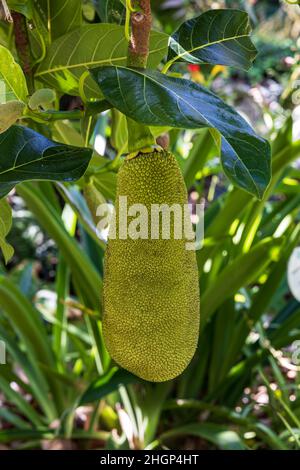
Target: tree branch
[5, 12]
[23, 46]
[139, 136]
[141, 22]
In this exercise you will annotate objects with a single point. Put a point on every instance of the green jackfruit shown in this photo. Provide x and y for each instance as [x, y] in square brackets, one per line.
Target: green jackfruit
[151, 289]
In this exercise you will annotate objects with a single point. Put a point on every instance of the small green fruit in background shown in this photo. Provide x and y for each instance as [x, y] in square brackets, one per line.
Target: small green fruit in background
[9, 113]
[151, 287]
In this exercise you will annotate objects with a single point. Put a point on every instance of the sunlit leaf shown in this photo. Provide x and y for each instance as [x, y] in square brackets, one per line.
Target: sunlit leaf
[216, 37]
[106, 384]
[59, 17]
[5, 226]
[69, 58]
[12, 80]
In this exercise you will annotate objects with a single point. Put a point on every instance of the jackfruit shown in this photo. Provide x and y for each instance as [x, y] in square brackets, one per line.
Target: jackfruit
[151, 290]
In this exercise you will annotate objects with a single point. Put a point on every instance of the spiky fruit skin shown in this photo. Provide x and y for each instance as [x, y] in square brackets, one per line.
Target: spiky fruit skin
[151, 289]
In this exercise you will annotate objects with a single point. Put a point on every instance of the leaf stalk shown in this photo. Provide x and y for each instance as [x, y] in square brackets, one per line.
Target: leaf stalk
[139, 136]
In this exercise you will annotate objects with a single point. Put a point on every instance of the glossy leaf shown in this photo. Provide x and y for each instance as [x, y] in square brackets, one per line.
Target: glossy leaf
[216, 37]
[27, 155]
[69, 58]
[12, 80]
[5, 226]
[155, 99]
[59, 16]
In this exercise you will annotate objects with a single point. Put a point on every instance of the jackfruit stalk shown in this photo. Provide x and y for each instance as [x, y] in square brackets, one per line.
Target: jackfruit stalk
[151, 289]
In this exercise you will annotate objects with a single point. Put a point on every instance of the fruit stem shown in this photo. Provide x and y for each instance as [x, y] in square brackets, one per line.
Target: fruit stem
[141, 22]
[139, 136]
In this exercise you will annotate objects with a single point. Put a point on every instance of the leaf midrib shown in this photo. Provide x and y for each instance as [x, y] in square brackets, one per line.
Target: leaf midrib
[86, 64]
[16, 167]
[209, 44]
[200, 114]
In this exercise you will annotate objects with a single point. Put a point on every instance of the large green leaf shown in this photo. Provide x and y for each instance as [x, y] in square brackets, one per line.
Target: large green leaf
[27, 155]
[12, 80]
[155, 99]
[59, 16]
[5, 226]
[215, 37]
[69, 58]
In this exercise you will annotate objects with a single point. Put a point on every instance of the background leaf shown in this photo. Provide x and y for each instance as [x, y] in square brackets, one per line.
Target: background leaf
[219, 435]
[106, 384]
[27, 155]
[156, 99]
[5, 226]
[21, 6]
[13, 78]
[242, 271]
[110, 11]
[218, 37]
[59, 17]
[72, 55]
[85, 275]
